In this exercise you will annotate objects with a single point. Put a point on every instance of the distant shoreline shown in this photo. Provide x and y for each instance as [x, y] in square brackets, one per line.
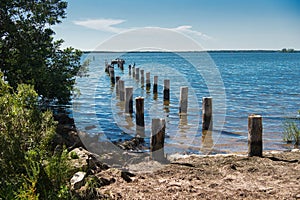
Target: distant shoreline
[209, 51]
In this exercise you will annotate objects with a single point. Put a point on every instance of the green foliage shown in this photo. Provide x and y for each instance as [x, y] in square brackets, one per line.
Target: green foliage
[291, 132]
[28, 170]
[74, 155]
[28, 53]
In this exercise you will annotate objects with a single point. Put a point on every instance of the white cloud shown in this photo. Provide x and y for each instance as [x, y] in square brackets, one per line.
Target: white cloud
[106, 25]
[188, 30]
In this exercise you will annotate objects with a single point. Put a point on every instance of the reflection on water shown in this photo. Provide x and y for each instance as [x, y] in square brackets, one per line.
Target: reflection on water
[207, 141]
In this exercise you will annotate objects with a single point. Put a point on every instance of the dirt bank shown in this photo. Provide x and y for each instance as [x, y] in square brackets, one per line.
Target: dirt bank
[275, 176]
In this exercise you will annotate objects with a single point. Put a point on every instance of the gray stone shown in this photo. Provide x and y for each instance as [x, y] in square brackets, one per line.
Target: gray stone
[77, 180]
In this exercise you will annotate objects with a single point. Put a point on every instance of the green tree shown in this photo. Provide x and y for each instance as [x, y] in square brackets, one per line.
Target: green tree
[28, 52]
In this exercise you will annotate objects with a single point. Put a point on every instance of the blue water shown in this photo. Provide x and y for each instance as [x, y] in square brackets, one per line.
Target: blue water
[240, 84]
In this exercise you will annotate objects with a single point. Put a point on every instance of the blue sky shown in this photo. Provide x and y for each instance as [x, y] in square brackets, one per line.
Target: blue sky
[214, 24]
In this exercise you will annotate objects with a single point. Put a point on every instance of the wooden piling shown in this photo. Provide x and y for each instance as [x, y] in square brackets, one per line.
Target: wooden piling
[255, 129]
[129, 70]
[139, 116]
[148, 84]
[183, 102]
[157, 140]
[128, 100]
[207, 120]
[167, 90]
[121, 65]
[142, 77]
[133, 72]
[155, 80]
[122, 90]
[106, 66]
[137, 74]
[112, 75]
[117, 85]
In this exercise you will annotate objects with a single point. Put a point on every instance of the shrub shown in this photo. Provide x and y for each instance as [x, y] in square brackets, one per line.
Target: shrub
[291, 132]
[28, 170]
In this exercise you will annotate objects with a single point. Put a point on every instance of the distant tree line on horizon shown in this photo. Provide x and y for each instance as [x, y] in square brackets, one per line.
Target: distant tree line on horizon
[285, 50]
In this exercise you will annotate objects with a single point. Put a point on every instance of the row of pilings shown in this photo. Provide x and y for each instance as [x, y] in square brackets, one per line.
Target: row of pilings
[158, 125]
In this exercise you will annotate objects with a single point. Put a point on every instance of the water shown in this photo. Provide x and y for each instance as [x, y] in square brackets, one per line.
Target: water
[261, 83]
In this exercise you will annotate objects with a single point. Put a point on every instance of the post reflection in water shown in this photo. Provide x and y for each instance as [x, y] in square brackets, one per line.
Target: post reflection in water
[207, 141]
[129, 124]
[167, 106]
[155, 96]
[183, 126]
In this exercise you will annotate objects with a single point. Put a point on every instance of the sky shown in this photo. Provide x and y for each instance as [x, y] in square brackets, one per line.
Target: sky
[213, 24]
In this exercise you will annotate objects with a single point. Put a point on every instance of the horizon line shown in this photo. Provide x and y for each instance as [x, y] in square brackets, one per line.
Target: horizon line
[187, 51]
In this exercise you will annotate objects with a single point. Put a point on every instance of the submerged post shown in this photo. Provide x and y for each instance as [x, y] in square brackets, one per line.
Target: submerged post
[207, 122]
[255, 129]
[137, 74]
[167, 90]
[183, 102]
[122, 90]
[139, 116]
[128, 100]
[157, 140]
[129, 70]
[117, 85]
[155, 80]
[142, 77]
[106, 66]
[133, 72]
[121, 65]
[112, 75]
[148, 84]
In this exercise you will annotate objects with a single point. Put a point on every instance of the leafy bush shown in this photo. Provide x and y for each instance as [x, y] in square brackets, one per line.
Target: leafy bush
[28, 170]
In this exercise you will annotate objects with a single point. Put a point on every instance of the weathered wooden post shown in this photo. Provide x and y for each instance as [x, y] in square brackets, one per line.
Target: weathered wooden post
[139, 116]
[167, 90]
[137, 74]
[183, 102]
[155, 80]
[117, 85]
[129, 70]
[133, 72]
[128, 100]
[142, 77]
[112, 75]
[106, 66]
[121, 64]
[122, 90]
[207, 120]
[148, 84]
[255, 129]
[157, 140]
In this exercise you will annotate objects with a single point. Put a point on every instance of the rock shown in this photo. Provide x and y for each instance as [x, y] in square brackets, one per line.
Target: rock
[135, 143]
[66, 133]
[84, 160]
[63, 118]
[77, 180]
[295, 150]
[81, 163]
[126, 176]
